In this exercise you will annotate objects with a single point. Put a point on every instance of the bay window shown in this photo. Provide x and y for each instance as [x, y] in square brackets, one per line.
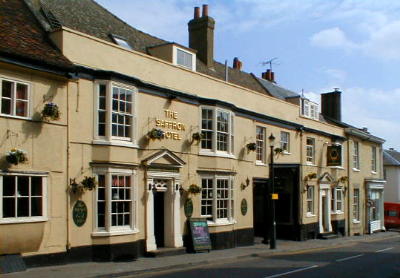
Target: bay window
[217, 199]
[116, 115]
[22, 198]
[115, 206]
[217, 130]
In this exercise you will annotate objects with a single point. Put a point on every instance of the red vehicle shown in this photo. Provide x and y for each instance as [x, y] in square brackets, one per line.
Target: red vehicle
[392, 215]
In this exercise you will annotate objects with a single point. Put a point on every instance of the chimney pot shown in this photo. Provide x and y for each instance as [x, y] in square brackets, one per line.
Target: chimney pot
[205, 10]
[196, 12]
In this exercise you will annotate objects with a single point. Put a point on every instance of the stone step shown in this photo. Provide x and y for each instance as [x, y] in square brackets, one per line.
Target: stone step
[166, 251]
[330, 235]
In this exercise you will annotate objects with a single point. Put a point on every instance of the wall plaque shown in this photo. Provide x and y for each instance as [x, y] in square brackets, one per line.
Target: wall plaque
[79, 213]
[243, 207]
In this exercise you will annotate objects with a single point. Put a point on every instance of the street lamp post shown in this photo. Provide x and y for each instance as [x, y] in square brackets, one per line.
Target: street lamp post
[272, 244]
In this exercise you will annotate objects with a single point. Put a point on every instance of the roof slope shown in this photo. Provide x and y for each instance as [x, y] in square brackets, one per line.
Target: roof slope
[89, 17]
[391, 158]
[21, 36]
[276, 90]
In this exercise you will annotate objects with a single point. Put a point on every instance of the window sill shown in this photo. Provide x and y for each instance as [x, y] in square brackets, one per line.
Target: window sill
[310, 215]
[115, 143]
[260, 163]
[217, 154]
[373, 173]
[356, 170]
[220, 222]
[23, 220]
[311, 164]
[336, 167]
[127, 231]
[356, 221]
[15, 117]
[286, 153]
[339, 212]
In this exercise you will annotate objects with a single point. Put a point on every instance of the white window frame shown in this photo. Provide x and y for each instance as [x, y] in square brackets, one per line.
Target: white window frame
[287, 142]
[108, 139]
[261, 145]
[310, 200]
[309, 109]
[356, 156]
[230, 200]
[337, 191]
[175, 57]
[310, 160]
[356, 205]
[17, 219]
[374, 164]
[110, 230]
[13, 98]
[230, 134]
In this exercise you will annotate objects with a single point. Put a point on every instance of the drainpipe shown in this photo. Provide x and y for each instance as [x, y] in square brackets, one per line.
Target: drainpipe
[350, 221]
[301, 182]
[68, 243]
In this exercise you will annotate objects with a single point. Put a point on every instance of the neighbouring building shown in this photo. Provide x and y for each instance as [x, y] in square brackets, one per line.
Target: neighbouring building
[127, 135]
[391, 167]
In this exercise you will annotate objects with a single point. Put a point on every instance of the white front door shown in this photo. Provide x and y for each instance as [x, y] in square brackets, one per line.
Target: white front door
[163, 212]
[324, 209]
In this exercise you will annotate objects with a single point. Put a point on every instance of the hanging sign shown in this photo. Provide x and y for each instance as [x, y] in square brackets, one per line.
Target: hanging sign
[79, 213]
[199, 232]
[334, 155]
[274, 196]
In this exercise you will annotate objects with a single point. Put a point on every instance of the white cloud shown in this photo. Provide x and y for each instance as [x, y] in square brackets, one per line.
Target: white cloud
[332, 38]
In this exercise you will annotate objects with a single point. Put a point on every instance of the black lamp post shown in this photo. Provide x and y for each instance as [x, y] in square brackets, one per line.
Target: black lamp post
[272, 244]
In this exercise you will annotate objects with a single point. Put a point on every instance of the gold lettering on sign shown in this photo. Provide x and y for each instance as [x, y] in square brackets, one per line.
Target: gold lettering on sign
[171, 124]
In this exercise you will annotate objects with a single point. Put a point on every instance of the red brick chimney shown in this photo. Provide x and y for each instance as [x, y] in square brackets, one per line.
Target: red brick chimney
[237, 64]
[268, 75]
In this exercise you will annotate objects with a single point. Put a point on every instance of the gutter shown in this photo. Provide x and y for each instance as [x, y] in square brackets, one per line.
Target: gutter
[363, 135]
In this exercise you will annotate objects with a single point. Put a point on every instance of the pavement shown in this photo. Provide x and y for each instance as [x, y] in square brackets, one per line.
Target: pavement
[145, 265]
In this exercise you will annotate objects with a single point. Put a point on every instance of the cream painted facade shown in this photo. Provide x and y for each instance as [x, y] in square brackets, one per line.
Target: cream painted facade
[170, 98]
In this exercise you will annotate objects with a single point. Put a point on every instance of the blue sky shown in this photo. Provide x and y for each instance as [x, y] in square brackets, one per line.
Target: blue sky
[319, 45]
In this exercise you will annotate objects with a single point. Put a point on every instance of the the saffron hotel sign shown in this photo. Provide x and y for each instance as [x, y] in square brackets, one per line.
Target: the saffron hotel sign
[172, 126]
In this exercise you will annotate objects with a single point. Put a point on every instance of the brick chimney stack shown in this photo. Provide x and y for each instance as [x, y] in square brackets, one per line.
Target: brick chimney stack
[201, 35]
[268, 75]
[331, 106]
[237, 64]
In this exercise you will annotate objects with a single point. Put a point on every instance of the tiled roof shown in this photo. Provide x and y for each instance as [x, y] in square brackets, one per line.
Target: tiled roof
[89, 17]
[21, 37]
[276, 90]
[391, 158]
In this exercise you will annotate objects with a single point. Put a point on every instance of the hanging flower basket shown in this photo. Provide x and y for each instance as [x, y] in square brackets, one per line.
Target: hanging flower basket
[310, 176]
[278, 150]
[343, 179]
[155, 133]
[50, 111]
[16, 156]
[89, 183]
[197, 136]
[194, 189]
[251, 147]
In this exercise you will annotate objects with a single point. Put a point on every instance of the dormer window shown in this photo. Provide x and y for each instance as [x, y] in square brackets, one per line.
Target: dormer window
[121, 41]
[184, 58]
[309, 109]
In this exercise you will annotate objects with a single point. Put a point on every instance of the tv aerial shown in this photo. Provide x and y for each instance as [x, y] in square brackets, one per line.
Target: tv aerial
[270, 62]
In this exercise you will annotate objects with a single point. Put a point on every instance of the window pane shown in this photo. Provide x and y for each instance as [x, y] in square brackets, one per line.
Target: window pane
[23, 207]
[23, 186]
[6, 106]
[6, 89]
[36, 206]
[21, 108]
[36, 186]
[22, 91]
[8, 185]
[8, 207]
